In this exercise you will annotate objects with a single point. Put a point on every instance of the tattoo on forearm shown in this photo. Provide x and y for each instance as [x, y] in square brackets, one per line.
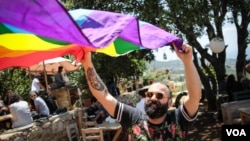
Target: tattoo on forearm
[94, 79]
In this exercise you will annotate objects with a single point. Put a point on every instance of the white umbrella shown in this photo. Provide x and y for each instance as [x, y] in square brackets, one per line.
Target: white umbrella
[50, 66]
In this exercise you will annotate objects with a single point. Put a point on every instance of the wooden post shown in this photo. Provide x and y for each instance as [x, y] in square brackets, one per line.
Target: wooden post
[79, 117]
[45, 76]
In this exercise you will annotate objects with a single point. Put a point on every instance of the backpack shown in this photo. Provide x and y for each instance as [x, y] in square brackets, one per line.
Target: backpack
[50, 101]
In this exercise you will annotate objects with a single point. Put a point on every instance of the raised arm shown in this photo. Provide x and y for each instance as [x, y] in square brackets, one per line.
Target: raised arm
[96, 85]
[193, 82]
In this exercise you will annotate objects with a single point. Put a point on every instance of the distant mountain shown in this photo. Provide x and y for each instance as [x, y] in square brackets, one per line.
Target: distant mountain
[172, 65]
[176, 65]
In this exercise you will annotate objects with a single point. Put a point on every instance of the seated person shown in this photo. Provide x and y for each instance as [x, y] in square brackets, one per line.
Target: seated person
[141, 103]
[40, 106]
[95, 112]
[50, 102]
[6, 100]
[19, 112]
[4, 110]
[36, 84]
[59, 78]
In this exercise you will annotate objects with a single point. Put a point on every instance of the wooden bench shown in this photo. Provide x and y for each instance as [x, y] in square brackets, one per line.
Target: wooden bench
[241, 95]
[230, 111]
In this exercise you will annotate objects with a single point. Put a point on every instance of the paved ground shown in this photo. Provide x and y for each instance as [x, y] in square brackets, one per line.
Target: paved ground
[206, 127]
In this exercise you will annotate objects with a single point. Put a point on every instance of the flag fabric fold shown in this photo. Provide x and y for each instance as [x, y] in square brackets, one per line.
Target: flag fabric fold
[40, 30]
[106, 28]
[45, 18]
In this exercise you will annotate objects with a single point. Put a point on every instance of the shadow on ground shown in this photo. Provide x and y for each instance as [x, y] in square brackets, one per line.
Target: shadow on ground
[206, 127]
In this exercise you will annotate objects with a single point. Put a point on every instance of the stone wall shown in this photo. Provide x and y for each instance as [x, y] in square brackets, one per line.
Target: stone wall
[52, 129]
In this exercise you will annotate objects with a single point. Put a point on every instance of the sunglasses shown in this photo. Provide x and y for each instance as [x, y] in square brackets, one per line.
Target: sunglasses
[157, 95]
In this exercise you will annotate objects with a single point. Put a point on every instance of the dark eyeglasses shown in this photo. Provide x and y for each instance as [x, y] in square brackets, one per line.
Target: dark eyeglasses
[157, 95]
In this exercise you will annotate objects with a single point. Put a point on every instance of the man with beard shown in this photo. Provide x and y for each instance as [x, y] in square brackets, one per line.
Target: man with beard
[157, 124]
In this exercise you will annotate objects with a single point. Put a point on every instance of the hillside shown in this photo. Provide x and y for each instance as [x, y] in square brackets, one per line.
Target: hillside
[176, 65]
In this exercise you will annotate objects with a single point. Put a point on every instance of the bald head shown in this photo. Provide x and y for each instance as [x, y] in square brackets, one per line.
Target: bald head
[160, 87]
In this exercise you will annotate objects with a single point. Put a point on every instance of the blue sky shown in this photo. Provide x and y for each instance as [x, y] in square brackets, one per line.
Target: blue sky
[230, 39]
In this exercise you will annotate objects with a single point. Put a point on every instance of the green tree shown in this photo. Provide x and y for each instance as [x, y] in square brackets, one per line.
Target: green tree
[209, 20]
[17, 79]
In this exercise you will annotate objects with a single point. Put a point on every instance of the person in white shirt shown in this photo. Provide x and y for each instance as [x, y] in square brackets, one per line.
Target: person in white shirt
[20, 114]
[40, 105]
[36, 84]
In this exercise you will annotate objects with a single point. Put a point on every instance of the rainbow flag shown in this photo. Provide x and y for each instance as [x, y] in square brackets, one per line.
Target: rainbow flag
[43, 29]
[119, 34]
[21, 48]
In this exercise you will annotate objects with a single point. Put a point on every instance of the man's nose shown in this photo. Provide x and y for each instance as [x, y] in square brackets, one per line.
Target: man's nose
[153, 97]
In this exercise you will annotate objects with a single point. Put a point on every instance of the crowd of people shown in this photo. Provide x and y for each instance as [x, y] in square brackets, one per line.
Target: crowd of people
[16, 112]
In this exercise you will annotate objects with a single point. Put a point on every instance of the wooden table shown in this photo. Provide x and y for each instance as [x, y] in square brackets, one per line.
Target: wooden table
[244, 114]
[111, 127]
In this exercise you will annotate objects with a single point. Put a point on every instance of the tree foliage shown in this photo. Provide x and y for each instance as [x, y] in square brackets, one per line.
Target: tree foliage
[16, 78]
[197, 18]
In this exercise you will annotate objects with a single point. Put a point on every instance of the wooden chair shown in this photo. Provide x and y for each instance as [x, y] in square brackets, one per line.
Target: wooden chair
[88, 124]
[92, 134]
[72, 132]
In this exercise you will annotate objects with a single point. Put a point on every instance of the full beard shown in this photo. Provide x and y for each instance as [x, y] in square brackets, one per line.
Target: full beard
[155, 109]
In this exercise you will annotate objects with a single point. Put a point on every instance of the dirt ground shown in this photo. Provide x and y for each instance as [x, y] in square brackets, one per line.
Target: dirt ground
[206, 127]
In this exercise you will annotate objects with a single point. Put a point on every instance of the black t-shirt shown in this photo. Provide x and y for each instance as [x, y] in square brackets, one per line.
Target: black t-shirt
[136, 126]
